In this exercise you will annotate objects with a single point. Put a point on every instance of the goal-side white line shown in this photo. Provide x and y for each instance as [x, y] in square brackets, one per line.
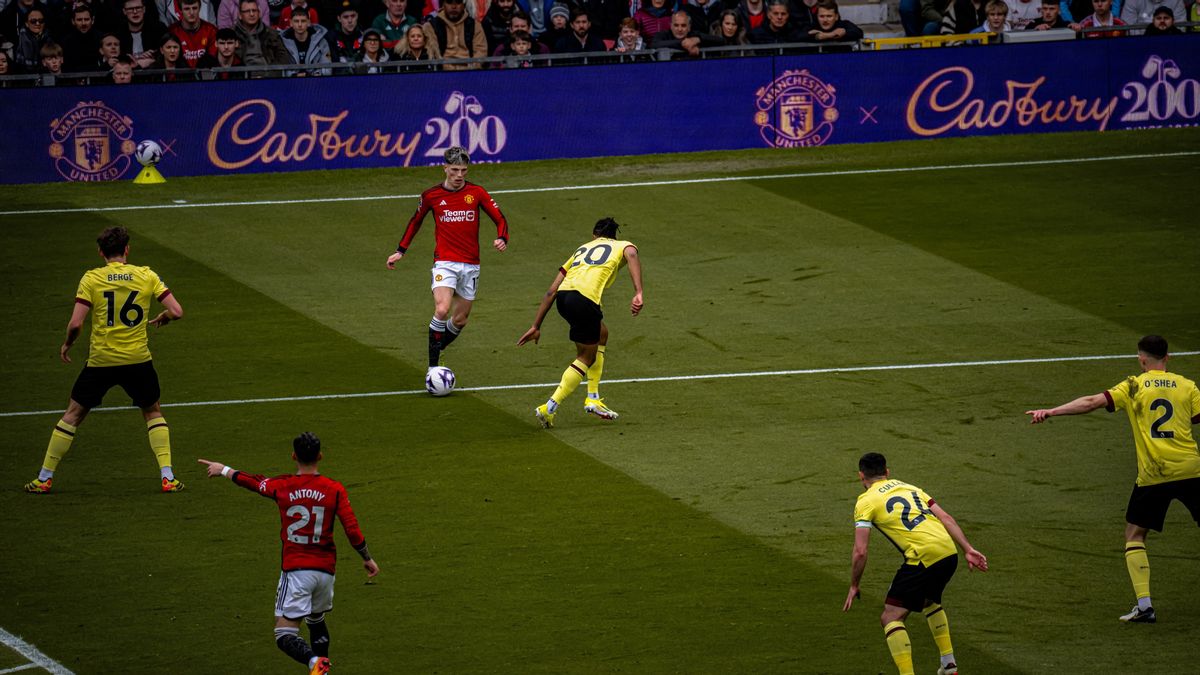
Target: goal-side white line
[604, 186]
[30, 652]
[627, 380]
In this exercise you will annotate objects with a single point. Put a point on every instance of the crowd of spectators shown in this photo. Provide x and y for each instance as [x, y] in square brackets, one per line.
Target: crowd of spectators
[954, 17]
[180, 39]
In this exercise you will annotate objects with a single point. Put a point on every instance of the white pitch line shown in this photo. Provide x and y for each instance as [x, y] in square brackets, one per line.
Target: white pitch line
[30, 652]
[627, 380]
[606, 186]
[17, 669]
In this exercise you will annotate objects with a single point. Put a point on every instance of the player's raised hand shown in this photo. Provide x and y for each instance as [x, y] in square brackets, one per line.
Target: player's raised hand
[62, 353]
[976, 561]
[1037, 416]
[214, 468]
[532, 334]
[636, 305]
[393, 259]
[500, 244]
[851, 596]
[371, 567]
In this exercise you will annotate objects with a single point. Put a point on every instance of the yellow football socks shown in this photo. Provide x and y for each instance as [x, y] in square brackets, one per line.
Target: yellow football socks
[1138, 564]
[60, 443]
[160, 443]
[571, 378]
[939, 625]
[899, 645]
[594, 373]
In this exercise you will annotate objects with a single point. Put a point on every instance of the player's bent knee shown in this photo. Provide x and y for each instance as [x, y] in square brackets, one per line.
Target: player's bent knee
[315, 618]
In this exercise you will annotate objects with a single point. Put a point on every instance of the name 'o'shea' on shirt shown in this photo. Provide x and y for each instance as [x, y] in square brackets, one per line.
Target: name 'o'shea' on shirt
[1162, 408]
[901, 514]
[119, 295]
[593, 267]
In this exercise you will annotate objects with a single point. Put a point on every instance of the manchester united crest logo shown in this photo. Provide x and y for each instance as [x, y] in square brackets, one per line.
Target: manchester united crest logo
[796, 110]
[469, 199]
[91, 142]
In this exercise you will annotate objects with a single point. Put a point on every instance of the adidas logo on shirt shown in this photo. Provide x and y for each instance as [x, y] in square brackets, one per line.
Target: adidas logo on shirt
[443, 203]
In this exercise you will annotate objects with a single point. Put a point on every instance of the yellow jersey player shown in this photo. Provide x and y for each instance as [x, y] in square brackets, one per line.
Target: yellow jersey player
[118, 296]
[576, 291]
[925, 534]
[1162, 407]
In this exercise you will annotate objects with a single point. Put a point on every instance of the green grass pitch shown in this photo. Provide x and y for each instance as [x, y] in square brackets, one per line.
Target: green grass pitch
[706, 531]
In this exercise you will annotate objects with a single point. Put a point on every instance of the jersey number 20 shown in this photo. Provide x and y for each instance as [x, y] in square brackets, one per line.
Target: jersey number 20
[317, 516]
[906, 509]
[596, 255]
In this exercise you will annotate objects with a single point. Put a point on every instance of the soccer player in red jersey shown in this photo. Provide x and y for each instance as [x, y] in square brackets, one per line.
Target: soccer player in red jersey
[307, 503]
[455, 204]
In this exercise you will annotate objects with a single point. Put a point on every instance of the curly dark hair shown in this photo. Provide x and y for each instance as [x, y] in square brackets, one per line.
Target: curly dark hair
[606, 227]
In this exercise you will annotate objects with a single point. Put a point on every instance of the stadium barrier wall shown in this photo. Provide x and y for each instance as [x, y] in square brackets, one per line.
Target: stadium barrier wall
[88, 134]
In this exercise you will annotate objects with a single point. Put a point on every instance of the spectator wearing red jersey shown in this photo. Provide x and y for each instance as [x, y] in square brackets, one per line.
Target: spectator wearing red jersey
[297, 7]
[455, 204]
[1102, 16]
[196, 36]
[307, 504]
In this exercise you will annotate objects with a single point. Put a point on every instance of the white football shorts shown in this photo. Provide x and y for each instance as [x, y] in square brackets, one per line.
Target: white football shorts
[460, 276]
[303, 592]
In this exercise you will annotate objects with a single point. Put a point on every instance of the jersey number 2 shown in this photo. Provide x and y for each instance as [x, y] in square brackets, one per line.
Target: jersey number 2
[131, 312]
[1168, 411]
[906, 510]
[317, 516]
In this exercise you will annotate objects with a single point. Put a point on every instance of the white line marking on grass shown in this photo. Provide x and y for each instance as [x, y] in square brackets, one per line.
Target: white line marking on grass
[18, 669]
[605, 186]
[30, 652]
[627, 380]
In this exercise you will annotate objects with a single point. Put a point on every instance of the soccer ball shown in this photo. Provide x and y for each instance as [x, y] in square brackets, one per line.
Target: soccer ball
[439, 381]
[148, 153]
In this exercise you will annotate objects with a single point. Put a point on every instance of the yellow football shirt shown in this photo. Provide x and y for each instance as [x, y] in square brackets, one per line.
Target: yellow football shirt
[901, 514]
[593, 267]
[1162, 408]
[119, 295]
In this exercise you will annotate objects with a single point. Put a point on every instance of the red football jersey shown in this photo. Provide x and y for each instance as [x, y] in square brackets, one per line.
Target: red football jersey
[308, 504]
[456, 222]
[195, 43]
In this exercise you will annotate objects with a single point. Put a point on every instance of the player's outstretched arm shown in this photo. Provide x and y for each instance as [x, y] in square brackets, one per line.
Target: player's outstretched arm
[172, 311]
[1080, 406]
[975, 559]
[635, 273]
[535, 331]
[858, 565]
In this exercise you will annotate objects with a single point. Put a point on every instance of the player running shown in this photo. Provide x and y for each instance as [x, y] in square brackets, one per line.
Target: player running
[576, 292]
[1162, 407]
[455, 204]
[307, 503]
[119, 352]
[925, 535]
